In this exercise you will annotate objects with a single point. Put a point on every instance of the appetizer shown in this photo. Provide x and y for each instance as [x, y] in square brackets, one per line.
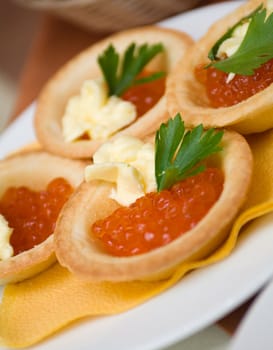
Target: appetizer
[226, 78]
[144, 208]
[34, 187]
[116, 86]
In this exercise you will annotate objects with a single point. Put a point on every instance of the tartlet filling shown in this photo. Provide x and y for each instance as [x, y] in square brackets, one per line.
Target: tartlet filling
[31, 214]
[158, 218]
[107, 105]
[127, 163]
[241, 60]
[224, 93]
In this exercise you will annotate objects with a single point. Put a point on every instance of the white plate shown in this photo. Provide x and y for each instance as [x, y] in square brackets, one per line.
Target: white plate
[201, 297]
[255, 332]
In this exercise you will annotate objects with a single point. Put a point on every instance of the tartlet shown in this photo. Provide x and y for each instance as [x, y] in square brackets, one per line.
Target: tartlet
[78, 251]
[67, 81]
[185, 94]
[34, 170]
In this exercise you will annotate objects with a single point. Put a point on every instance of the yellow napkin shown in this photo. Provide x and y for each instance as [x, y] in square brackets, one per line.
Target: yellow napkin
[34, 309]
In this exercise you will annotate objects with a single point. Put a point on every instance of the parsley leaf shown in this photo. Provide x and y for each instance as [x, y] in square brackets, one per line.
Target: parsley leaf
[212, 55]
[255, 49]
[121, 75]
[178, 153]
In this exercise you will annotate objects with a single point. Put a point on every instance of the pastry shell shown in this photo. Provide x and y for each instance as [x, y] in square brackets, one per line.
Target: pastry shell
[68, 80]
[34, 170]
[77, 250]
[188, 96]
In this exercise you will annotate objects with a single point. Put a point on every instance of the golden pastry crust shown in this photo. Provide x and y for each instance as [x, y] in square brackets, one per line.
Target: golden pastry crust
[76, 250]
[34, 170]
[67, 82]
[188, 96]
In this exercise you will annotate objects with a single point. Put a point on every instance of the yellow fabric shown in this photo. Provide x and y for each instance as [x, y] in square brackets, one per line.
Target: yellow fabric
[34, 309]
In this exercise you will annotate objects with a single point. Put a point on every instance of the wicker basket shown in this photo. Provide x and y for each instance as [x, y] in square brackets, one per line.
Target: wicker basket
[111, 15]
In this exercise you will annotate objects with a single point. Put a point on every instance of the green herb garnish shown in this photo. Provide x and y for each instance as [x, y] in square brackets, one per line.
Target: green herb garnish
[178, 153]
[212, 55]
[255, 49]
[121, 75]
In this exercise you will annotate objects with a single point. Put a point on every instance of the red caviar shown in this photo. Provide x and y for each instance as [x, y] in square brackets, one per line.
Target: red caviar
[31, 214]
[223, 94]
[145, 96]
[159, 217]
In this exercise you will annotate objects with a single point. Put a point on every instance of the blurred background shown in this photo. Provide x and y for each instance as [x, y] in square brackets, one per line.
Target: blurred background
[35, 43]
[17, 27]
